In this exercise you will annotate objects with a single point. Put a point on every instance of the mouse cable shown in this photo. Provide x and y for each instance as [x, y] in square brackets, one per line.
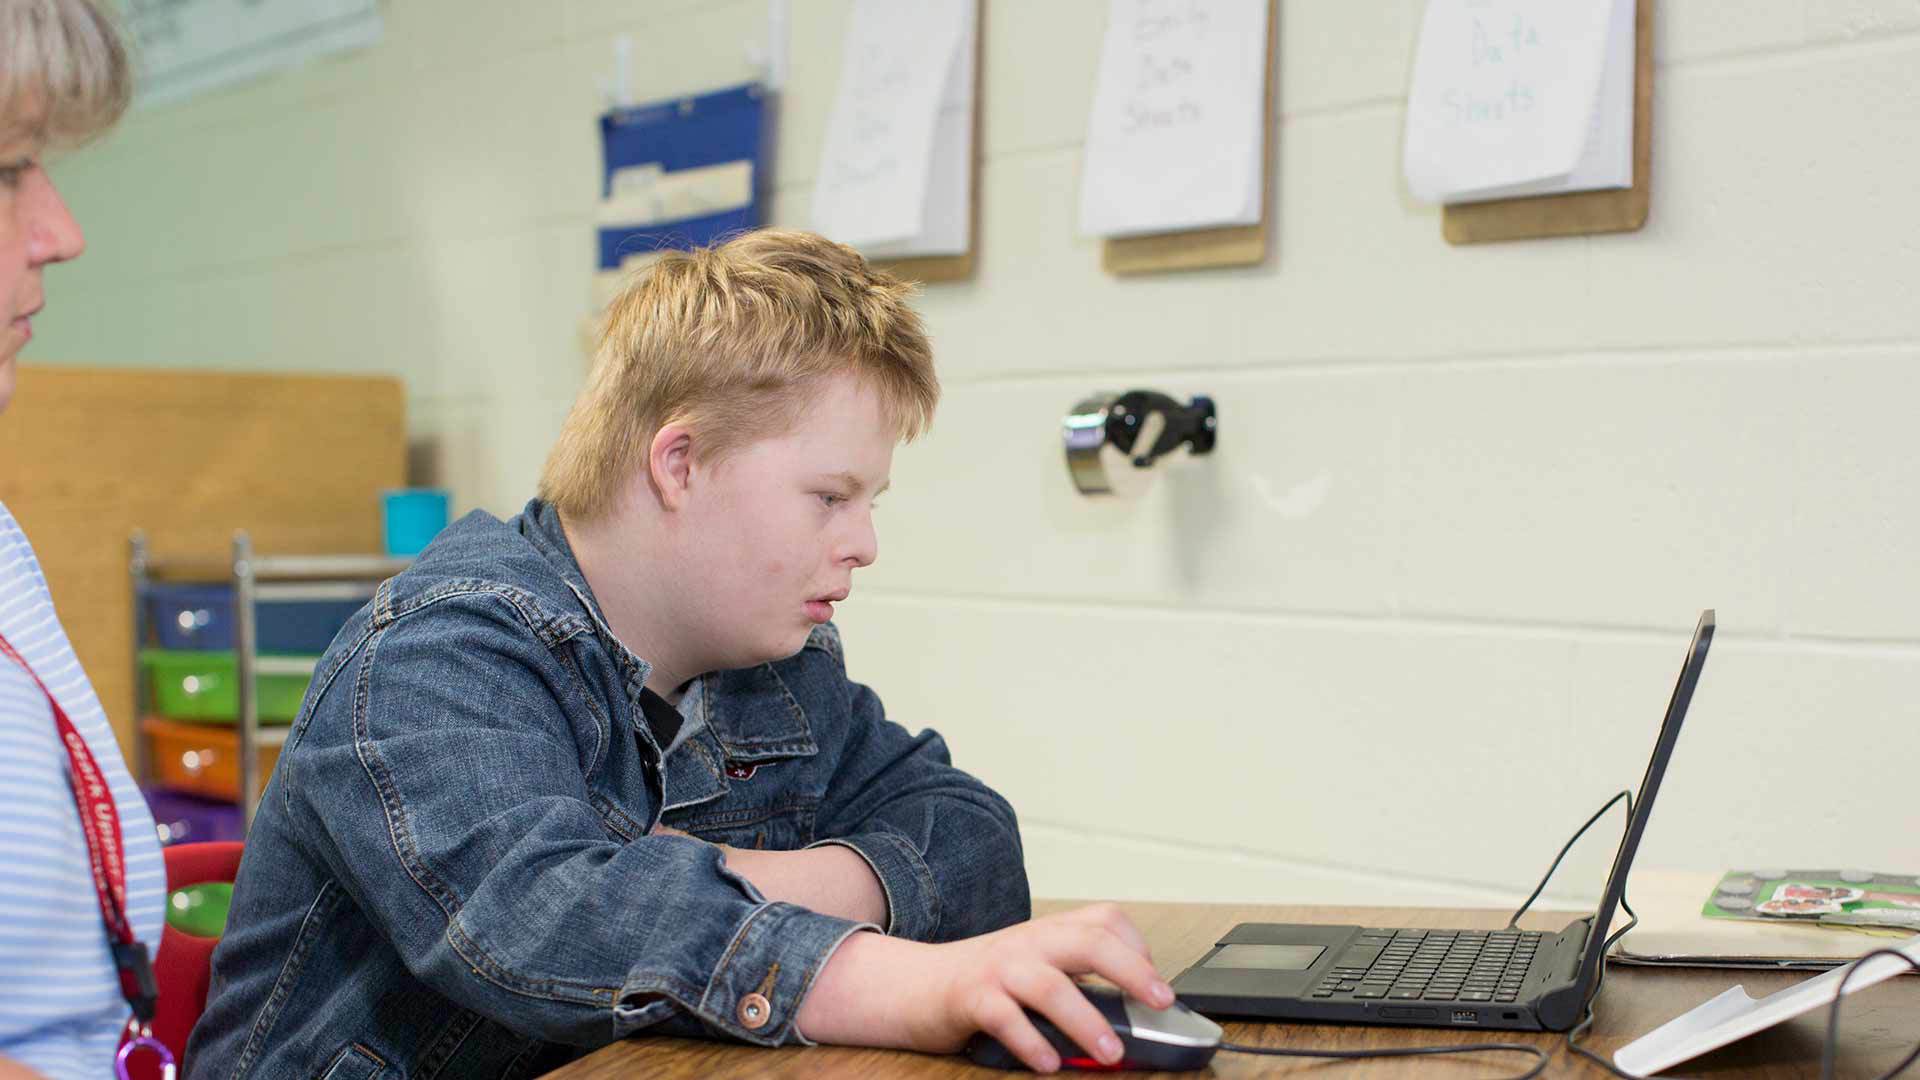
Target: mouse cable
[1539, 1065]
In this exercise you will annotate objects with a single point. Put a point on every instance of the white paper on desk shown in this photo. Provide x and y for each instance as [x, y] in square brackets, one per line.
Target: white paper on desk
[1174, 141]
[1735, 1014]
[878, 158]
[1513, 97]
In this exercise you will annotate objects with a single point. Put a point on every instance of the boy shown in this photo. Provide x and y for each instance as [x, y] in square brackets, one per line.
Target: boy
[599, 769]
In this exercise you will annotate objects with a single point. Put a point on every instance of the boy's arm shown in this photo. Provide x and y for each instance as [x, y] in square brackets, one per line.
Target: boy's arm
[832, 879]
[442, 780]
[886, 991]
[910, 842]
[891, 992]
[944, 847]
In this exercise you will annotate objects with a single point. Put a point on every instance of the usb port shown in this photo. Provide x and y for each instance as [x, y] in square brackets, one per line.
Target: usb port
[1465, 1016]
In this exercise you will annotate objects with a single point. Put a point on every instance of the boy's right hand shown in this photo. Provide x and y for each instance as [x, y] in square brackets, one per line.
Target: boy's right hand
[881, 991]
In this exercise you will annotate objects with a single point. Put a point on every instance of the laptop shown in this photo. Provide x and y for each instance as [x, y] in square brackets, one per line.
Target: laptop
[1520, 980]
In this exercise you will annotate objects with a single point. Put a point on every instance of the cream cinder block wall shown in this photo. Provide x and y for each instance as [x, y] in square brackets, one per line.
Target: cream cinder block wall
[1420, 612]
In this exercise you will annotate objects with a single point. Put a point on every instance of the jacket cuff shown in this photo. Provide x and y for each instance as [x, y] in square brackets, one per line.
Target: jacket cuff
[769, 967]
[913, 902]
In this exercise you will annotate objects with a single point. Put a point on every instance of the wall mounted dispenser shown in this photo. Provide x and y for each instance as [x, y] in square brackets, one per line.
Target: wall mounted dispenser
[1144, 425]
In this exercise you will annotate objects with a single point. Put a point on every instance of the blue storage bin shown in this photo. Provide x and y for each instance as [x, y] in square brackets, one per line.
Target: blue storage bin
[191, 616]
[200, 617]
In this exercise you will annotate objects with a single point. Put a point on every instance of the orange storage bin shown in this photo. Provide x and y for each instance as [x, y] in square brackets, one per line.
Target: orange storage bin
[200, 758]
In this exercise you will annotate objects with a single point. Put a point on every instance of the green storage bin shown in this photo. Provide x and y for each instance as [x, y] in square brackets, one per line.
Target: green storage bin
[195, 685]
[200, 910]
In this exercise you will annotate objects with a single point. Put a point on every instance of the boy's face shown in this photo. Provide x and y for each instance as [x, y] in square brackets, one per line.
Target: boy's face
[778, 527]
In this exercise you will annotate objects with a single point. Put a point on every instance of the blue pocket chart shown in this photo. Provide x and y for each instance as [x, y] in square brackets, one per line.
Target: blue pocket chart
[680, 173]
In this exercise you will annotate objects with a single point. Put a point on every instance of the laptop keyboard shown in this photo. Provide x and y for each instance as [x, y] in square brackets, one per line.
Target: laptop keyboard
[1432, 965]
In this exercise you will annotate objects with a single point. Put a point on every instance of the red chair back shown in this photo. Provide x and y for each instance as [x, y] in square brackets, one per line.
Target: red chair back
[182, 967]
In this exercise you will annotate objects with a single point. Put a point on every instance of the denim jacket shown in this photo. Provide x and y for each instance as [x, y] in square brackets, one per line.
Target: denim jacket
[451, 872]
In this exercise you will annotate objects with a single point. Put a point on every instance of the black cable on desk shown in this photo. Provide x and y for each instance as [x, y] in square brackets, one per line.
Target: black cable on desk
[1586, 1018]
[1633, 920]
[1600, 977]
[1578, 833]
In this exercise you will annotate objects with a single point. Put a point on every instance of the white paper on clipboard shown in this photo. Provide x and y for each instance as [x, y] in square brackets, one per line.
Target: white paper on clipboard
[1175, 137]
[1512, 98]
[896, 166]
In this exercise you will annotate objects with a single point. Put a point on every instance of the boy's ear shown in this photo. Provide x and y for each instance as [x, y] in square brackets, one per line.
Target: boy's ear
[670, 464]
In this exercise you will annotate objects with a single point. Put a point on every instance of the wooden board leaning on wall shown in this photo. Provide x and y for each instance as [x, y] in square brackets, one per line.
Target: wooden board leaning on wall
[89, 454]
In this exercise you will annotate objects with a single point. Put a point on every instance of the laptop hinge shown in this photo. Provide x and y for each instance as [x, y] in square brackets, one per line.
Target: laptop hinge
[1560, 1006]
[1578, 933]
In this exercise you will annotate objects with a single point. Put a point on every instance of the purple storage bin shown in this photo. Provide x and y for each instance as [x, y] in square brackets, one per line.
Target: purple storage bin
[189, 819]
[200, 617]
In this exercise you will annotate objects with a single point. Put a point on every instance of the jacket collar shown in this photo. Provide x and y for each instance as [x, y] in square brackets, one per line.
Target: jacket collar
[540, 524]
[732, 717]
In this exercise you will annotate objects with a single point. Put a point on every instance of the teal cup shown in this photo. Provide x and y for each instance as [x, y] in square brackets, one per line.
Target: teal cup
[411, 517]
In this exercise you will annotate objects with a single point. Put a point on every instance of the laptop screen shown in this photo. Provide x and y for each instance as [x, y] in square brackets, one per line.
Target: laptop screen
[1643, 801]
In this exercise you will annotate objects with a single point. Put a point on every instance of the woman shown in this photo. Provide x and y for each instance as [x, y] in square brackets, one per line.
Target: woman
[63, 79]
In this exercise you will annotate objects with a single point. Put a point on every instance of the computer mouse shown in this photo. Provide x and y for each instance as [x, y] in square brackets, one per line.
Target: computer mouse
[1173, 1039]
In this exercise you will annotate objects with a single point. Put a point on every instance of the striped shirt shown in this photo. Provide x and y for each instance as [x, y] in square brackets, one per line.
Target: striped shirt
[60, 1006]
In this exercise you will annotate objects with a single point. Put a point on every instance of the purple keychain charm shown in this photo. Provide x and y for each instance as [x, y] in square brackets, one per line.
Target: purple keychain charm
[143, 1040]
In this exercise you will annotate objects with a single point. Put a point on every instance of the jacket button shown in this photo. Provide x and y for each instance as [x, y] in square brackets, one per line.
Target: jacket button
[755, 1011]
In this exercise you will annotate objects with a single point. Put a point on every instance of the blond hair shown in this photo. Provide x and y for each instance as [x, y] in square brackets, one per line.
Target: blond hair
[734, 340]
[64, 74]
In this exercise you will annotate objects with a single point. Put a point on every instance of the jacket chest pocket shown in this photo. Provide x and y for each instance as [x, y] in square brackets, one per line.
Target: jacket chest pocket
[756, 780]
[776, 823]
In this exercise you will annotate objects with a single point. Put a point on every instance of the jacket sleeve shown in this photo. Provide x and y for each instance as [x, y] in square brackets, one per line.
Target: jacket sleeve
[443, 780]
[945, 847]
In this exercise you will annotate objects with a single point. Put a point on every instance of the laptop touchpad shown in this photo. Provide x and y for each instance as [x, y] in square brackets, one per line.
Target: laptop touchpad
[1265, 957]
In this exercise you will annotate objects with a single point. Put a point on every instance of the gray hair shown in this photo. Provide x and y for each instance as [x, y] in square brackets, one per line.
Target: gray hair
[64, 72]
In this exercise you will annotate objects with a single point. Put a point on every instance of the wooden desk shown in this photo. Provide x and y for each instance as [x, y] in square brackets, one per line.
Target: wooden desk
[1878, 1025]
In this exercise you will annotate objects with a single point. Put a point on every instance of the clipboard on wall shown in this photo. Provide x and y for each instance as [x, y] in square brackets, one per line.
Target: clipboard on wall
[899, 166]
[1579, 213]
[1230, 245]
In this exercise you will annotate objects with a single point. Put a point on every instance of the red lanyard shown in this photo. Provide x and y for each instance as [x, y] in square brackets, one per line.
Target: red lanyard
[100, 822]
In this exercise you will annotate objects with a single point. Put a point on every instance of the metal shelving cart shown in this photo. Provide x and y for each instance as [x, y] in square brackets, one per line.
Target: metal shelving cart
[254, 578]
